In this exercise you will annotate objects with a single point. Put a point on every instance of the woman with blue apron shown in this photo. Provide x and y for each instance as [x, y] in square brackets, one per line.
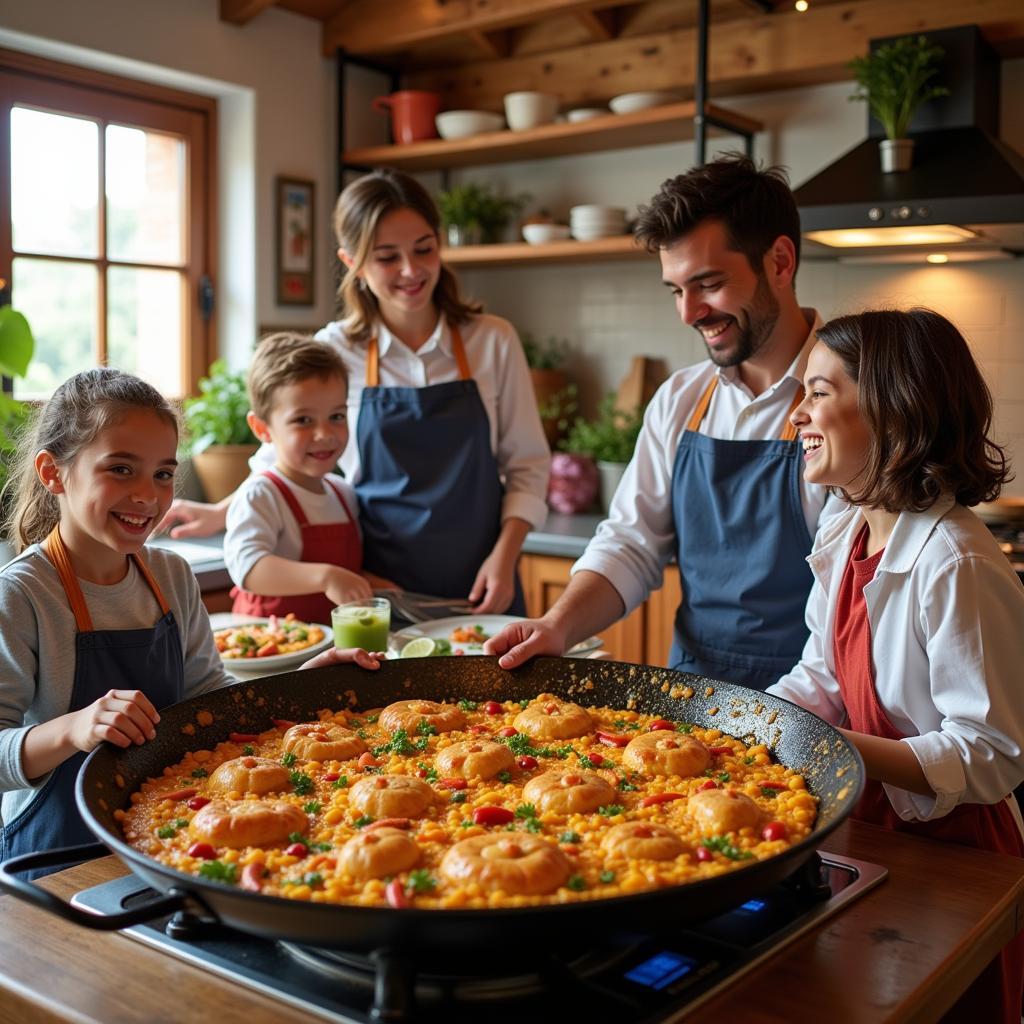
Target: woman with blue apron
[149, 660]
[742, 540]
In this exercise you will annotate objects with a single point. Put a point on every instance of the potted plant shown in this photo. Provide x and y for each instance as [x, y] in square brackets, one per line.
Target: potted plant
[16, 348]
[476, 213]
[609, 440]
[221, 443]
[550, 383]
[894, 80]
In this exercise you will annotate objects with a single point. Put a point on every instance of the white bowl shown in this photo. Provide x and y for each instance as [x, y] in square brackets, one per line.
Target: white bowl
[585, 114]
[460, 124]
[630, 101]
[526, 110]
[590, 234]
[538, 234]
[597, 210]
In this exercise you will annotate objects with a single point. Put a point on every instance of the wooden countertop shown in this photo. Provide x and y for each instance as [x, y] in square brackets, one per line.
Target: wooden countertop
[902, 952]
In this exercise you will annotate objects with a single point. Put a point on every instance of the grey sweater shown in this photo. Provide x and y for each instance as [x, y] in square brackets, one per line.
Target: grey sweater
[37, 649]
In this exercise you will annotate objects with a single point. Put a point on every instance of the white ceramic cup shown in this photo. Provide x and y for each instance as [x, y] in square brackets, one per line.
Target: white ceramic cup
[525, 110]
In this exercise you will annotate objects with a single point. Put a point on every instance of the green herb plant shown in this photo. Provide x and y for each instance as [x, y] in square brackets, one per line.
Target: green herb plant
[896, 79]
[549, 354]
[609, 438]
[470, 206]
[217, 414]
[17, 346]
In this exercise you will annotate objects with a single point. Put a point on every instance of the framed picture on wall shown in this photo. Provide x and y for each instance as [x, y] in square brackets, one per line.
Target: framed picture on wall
[296, 241]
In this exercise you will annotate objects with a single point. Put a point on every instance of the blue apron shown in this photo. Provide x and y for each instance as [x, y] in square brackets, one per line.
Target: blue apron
[149, 660]
[742, 541]
[430, 492]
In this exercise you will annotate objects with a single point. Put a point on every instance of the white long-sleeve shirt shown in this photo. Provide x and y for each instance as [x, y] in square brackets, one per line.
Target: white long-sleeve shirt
[634, 544]
[946, 614]
[498, 365]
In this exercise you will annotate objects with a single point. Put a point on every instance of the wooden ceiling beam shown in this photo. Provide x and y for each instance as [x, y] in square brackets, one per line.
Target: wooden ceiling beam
[367, 27]
[239, 12]
[600, 25]
[494, 45]
[781, 50]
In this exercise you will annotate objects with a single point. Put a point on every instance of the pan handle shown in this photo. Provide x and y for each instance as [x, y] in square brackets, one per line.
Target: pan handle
[24, 890]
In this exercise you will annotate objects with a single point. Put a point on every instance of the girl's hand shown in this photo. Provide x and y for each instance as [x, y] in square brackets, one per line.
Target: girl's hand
[332, 656]
[494, 586]
[121, 717]
[344, 586]
[195, 519]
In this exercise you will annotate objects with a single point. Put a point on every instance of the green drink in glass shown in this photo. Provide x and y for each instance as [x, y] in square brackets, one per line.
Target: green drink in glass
[362, 624]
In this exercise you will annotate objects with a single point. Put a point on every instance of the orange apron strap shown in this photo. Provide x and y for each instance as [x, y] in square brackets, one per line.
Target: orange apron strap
[789, 431]
[372, 363]
[702, 406]
[153, 585]
[58, 555]
[460, 354]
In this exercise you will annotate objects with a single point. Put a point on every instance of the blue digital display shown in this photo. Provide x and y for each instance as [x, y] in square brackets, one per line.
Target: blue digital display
[753, 906]
[661, 970]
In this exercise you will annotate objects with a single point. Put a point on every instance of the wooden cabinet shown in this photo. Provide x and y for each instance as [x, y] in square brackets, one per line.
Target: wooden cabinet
[644, 636]
[217, 601]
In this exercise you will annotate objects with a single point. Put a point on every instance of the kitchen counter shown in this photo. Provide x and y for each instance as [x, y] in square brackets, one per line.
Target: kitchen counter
[561, 536]
[902, 952]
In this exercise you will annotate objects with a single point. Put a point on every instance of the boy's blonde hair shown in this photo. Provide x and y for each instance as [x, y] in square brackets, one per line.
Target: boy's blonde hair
[287, 358]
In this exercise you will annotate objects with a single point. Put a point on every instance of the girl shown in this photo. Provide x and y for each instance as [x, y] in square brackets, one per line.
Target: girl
[447, 454]
[916, 615]
[94, 639]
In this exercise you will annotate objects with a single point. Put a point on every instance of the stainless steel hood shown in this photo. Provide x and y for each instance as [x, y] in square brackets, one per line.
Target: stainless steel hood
[963, 176]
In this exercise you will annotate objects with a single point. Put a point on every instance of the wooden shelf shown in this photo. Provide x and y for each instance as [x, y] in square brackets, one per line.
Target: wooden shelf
[512, 254]
[670, 123]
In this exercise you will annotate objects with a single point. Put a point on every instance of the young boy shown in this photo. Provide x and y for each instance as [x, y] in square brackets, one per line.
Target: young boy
[292, 542]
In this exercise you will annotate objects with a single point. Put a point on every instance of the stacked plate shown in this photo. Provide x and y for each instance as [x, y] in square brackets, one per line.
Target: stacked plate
[592, 221]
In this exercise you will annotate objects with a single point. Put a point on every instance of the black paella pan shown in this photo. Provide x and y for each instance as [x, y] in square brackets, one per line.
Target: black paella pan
[797, 738]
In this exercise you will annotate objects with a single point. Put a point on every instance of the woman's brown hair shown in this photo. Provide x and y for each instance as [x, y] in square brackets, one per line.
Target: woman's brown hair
[928, 409]
[359, 210]
[80, 409]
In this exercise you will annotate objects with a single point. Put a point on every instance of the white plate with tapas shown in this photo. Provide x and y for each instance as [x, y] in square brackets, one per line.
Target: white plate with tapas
[466, 634]
[240, 645]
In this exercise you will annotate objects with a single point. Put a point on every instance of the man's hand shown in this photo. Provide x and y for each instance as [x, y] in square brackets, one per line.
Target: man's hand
[333, 656]
[520, 641]
[192, 519]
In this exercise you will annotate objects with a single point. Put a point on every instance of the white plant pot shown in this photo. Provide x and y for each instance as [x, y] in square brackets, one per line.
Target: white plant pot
[609, 478]
[896, 154]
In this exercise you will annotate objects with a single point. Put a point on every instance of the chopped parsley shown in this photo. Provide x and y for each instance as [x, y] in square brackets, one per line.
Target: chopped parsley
[398, 744]
[576, 882]
[724, 777]
[361, 733]
[297, 837]
[569, 837]
[770, 793]
[288, 759]
[302, 782]
[313, 807]
[532, 825]
[466, 823]
[420, 881]
[199, 773]
[684, 727]
[626, 786]
[521, 745]
[526, 811]
[340, 783]
[166, 832]
[422, 742]
[585, 761]
[430, 774]
[610, 810]
[748, 760]
[372, 719]
[362, 821]
[311, 878]
[721, 844]
[320, 847]
[524, 703]
[248, 749]
[219, 871]
[467, 705]
[607, 877]
[458, 797]
[504, 776]
[425, 728]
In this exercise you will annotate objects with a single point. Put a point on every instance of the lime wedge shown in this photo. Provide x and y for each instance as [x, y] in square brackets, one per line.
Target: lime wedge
[421, 647]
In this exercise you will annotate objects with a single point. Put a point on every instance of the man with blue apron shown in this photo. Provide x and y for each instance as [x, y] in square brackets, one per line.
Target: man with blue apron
[429, 492]
[149, 660]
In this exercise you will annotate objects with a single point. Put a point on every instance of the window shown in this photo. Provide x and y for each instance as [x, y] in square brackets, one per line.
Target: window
[106, 209]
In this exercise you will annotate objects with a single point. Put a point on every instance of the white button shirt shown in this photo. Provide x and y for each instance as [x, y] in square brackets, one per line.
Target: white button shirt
[498, 366]
[946, 613]
[634, 544]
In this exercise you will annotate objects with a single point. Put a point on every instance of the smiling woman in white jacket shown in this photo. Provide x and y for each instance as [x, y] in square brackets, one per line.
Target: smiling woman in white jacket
[916, 618]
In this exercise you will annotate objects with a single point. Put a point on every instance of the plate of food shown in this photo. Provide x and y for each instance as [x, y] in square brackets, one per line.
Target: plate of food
[267, 644]
[466, 634]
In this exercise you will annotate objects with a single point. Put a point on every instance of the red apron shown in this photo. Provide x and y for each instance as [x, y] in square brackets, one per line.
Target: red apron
[995, 995]
[332, 543]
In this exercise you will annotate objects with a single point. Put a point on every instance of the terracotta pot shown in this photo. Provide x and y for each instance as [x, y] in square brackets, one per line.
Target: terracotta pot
[547, 384]
[222, 467]
[412, 114]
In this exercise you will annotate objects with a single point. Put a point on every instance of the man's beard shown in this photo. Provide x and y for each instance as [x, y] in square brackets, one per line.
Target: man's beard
[761, 318]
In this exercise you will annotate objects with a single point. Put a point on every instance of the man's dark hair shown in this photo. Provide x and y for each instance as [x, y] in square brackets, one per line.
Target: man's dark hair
[755, 206]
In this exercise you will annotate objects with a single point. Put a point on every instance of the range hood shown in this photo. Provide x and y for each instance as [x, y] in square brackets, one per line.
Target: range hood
[964, 196]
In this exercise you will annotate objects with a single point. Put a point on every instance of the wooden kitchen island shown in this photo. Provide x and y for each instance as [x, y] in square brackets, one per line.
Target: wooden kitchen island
[901, 952]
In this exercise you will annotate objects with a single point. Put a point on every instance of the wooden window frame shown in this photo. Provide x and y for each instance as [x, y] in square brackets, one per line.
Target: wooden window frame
[35, 81]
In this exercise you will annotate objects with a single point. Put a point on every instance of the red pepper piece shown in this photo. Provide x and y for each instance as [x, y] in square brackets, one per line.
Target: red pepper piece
[596, 758]
[703, 853]
[526, 762]
[243, 737]
[297, 850]
[282, 723]
[389, 823]
[659, 798]
[492, 816]
[181, 794]
[710, 784]
[508, 731]
[394, 893]
[479, 730]
[202, 851]
[197, 803]
[773, 785]
[720, 750]
[773, 830]
[612, 739]
[331, 777]
[452, 783]
[661, 723]
[550, 709]
[491, 707]
[252, 877]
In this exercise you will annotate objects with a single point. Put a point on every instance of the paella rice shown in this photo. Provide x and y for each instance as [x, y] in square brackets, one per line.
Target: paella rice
[267, 639]
[458, 806]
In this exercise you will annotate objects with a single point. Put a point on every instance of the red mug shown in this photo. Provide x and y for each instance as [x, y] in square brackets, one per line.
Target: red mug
[412, 114]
